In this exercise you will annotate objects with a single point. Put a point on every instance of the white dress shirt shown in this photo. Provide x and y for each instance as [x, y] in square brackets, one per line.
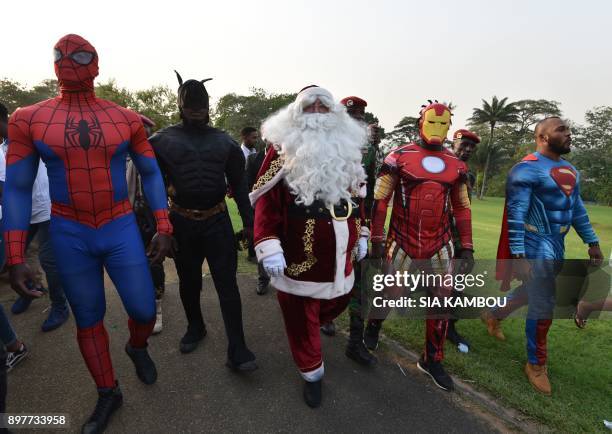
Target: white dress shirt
[41, 201]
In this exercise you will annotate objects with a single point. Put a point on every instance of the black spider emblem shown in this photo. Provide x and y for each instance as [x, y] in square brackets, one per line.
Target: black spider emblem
[82, 133]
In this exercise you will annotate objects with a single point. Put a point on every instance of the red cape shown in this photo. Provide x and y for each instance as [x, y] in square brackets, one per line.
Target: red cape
[503, 270]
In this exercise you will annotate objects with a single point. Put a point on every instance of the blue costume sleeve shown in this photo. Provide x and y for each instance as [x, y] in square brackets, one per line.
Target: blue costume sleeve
[580, 218]
[152, 182]
[17, 194]
[519, 188]
[22, 166]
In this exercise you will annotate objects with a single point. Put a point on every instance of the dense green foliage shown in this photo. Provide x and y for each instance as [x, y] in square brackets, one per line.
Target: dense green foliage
[506, 128]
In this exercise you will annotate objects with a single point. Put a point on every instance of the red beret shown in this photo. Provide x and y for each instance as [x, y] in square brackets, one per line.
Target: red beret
[353, 101]
[467, 134]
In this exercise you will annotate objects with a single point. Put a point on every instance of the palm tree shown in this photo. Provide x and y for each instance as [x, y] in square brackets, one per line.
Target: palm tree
[498, 111]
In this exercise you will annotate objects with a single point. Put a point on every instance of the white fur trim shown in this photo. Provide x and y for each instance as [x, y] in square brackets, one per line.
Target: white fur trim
[316, 375]
[267, 248]
[320, 290]
[256, 194]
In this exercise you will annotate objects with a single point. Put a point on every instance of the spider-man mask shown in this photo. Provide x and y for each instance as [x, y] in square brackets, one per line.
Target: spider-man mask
[434, 123]
[76, 63]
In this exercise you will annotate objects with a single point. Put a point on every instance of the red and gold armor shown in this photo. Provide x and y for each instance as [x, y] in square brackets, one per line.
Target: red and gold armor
[428, 184]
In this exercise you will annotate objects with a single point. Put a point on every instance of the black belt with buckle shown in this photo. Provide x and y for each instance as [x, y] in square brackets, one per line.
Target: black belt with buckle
[318, 210]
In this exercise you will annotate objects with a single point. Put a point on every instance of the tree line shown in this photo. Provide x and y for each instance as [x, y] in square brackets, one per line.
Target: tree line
[506, 127]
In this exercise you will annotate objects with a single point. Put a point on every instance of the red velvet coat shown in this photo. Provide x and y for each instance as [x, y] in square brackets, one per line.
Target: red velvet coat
[318, 252]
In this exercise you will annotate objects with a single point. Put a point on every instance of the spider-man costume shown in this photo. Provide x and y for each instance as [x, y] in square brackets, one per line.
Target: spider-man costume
[427, 182]
[84, 141]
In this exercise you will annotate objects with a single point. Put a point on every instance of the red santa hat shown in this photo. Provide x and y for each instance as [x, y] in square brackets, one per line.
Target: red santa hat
[466, 134]
[353, 101]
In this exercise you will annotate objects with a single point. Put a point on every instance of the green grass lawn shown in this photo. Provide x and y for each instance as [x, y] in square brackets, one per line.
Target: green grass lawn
[580, 361]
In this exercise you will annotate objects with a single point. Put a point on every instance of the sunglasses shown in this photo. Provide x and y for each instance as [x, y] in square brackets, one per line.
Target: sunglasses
[80, 57]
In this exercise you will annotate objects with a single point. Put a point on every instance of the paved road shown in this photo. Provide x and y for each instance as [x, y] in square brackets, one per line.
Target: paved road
[196, 393]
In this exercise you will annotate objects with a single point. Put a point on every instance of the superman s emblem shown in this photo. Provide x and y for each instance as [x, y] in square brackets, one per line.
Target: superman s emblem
[565, 177]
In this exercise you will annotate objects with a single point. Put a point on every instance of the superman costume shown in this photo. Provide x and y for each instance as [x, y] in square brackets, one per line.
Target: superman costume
[84, 140]
[542, 203]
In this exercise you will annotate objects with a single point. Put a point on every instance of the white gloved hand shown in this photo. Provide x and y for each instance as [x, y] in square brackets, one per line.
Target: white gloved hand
[362, 248]
[274, 264]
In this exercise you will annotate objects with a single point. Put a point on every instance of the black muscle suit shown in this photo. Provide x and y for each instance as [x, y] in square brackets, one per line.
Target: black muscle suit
[195, 162]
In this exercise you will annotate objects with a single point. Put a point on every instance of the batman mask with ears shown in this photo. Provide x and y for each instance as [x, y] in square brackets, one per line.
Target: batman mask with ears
[193, 101]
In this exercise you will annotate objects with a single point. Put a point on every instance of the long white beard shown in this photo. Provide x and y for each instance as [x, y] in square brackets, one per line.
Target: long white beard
[321, 152]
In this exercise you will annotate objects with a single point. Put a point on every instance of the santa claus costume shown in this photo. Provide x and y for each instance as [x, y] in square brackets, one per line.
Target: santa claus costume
[309, 224]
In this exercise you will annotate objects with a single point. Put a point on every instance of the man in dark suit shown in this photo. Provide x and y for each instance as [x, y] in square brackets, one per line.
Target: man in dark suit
[253, 164]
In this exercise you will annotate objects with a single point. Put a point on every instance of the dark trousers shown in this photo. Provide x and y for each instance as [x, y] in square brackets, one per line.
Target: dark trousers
[157, 269]
[47, 261]
[3, 383]
[211, 239]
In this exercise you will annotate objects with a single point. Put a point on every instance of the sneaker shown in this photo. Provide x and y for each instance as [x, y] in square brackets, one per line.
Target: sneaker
[21, 305]
[157, 328]
[108, 401]
[437, 373]
[328, 329]
[57, 316]
[14, 357]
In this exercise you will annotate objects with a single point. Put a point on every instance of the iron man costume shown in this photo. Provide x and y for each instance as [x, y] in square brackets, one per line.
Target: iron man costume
[428, 184]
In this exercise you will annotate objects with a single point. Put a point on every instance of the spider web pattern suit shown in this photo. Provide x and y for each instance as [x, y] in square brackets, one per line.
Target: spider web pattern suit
[84, 142]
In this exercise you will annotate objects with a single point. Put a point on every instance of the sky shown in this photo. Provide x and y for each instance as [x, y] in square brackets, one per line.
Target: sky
[395, 54]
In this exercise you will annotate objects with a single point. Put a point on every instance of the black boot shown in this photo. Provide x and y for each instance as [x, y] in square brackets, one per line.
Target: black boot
[192, 338]
[263, 280]
[355, 349]
[109, 400]
[328, 328]
[371, 335]
[313, 393]
[145, 367]
[247, 366]
[262, 286]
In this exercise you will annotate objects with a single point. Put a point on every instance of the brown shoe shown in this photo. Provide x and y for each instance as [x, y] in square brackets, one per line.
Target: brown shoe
[493, 325]
[538, 377]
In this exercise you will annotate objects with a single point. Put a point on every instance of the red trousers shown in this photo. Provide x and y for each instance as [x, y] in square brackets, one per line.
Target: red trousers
[303, 318]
